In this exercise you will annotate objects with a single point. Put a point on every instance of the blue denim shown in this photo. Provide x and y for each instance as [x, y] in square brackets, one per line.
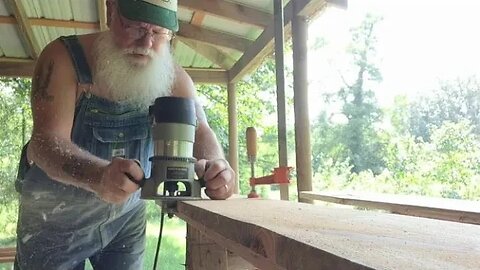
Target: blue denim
[60, 226]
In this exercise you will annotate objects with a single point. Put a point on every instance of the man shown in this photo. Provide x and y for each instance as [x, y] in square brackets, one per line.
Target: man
[90, 125]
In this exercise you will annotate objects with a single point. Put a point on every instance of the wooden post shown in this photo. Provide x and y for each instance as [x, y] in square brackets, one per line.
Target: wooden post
[300, 88]
[203, 253]
[233, 132]
[280, 79]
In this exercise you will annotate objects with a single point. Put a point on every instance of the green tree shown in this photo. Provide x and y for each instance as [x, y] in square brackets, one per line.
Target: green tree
[358, 102]
[255, 102]
[453, 101]
[16, 120]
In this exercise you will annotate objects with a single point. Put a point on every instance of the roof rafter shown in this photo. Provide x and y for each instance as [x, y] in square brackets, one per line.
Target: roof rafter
[24, 26]
[14, 67]
[230, 11]
[211, 53]
[102, 14]
[187, 30]
[213, 37]
[265, 42]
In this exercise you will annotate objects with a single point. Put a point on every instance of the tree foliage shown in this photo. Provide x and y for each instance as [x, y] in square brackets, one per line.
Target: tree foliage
[453, 101]
[255, 103]
[358, 136]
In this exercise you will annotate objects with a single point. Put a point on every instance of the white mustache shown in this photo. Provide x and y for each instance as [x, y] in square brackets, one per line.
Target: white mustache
[141, 51]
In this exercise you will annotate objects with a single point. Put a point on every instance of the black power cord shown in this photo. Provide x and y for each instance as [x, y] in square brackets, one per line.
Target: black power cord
[159, 239]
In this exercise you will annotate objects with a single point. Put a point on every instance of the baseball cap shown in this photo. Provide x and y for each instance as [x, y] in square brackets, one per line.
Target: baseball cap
[159, 12]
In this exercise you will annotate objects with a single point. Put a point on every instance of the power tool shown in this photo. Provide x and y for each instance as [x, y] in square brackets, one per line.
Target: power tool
[172, 176]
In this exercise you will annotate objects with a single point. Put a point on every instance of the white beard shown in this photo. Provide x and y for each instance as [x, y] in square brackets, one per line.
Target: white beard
[120, 79]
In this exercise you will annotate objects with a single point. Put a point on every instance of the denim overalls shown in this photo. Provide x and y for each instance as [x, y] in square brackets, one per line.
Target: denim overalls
[60, 225]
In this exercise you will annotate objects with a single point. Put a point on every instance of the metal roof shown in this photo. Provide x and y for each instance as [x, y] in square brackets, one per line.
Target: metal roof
[222, 36]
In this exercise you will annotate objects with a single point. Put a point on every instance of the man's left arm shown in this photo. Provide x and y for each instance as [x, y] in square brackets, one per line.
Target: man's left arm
[211, 163]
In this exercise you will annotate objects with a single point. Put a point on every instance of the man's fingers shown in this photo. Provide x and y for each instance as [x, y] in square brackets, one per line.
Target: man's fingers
[200, 167]
[220, 193]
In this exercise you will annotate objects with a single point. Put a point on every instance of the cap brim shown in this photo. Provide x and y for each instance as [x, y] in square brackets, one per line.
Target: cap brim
[149, 13]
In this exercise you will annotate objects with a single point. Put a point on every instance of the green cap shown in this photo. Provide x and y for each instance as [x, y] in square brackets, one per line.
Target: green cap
[159, 12]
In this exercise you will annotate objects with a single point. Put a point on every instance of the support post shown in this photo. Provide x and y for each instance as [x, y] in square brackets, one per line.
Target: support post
[233, 133]
[280, 79]
[302, 119]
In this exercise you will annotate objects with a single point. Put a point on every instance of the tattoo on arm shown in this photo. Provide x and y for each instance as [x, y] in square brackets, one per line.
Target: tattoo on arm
[42, 81]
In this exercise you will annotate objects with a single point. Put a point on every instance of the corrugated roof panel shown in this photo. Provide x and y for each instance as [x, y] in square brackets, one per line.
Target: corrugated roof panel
[187, 57]
[84, 10]
[3, 9]
[11, 46]
[226, 26]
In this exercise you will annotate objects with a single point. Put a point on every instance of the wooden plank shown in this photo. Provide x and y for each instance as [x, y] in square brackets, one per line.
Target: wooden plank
[197, 18]
[211, 37]
[7, 254]
[208, 76]
[280, 83]
[288, 235]
[436, 208]
[229, 10]
[203, 253]
[102, 15]
[52, 23]
[25, 28]
[303, 149]
[213, 54]
[263, 46]
[16, 67]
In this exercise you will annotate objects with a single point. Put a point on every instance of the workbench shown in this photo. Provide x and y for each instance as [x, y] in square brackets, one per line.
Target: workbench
[266, 234]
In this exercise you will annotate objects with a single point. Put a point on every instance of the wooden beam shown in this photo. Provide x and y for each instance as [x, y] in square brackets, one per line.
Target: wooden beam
[7, 254]
[303, 150]
[52, 23]
[197, 18]
[16, 67]
[208, 76]
[233, 133]
[186, 30]
[280, 83]
[229, 10]
[25, 28]
[288, 235]
[210, 52]
[216, 38]
[203, 253]
[263, 46]
[7, 20]
[102, 14]
[436, 208]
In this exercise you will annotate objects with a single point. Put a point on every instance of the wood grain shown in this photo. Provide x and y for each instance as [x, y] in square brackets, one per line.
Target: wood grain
[287, 235]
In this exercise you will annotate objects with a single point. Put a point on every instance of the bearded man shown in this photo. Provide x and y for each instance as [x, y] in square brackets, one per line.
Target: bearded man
[90, 99]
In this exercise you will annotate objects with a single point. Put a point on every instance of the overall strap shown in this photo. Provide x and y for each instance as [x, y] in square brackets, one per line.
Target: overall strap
[80, 64]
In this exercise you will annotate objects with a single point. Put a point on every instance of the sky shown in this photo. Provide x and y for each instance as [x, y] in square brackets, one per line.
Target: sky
[419, 44]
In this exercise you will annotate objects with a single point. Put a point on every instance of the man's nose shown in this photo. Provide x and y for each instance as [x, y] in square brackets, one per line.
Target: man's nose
[146, 41]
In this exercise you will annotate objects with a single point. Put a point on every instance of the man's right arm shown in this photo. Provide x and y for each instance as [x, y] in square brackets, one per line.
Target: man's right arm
[53, 99]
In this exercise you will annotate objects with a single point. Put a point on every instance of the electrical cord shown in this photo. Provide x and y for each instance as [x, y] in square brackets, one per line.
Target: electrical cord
[159, 239]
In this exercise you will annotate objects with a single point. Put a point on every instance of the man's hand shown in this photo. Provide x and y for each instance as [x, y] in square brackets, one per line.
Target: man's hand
[115, 185]
[219, 178]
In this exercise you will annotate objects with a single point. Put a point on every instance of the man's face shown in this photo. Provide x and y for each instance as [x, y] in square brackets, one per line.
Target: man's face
[140, 40]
